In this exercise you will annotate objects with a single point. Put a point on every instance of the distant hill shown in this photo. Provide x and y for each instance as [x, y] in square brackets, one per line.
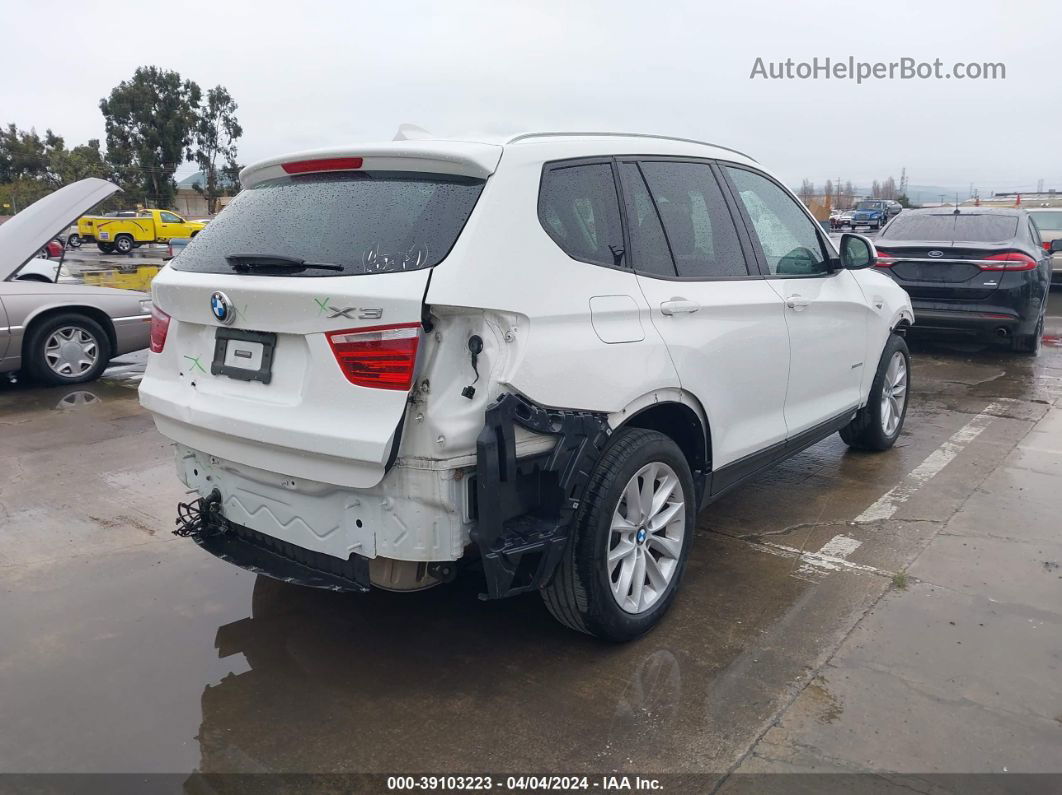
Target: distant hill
[916, 193]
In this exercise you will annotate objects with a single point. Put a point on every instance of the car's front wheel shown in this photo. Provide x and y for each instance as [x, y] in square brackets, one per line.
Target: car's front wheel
[877, 425]
[67, 349]
[630, 540]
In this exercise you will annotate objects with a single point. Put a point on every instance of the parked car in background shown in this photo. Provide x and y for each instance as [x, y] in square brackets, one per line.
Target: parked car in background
[976, 270]
[871, 212]
[61, 333]
[176, 246]
[123, 234]
[1048, 221]
[892, 209]
[53, 248]
[842, 219]
[548, 361]
[41, 269]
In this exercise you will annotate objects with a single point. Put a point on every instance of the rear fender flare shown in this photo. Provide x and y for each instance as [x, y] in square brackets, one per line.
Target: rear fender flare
[699, 452]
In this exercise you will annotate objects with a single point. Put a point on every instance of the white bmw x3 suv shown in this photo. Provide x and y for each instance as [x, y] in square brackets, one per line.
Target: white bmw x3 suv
[542, 357]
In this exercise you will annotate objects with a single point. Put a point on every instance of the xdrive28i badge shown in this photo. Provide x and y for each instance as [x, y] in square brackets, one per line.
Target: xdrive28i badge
[222, 308]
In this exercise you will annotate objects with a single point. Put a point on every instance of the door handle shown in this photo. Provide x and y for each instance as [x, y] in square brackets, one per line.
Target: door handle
[679, 306]
[797, 302]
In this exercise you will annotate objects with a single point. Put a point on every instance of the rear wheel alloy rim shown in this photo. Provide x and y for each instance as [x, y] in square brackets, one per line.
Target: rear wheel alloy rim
[893, 393]
[645, 541]
[71, 351]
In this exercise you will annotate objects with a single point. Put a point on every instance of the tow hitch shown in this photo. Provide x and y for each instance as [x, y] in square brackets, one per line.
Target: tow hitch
[201, 517]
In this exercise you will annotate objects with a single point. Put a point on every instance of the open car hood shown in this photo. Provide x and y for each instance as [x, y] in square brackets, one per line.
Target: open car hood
[25, 234]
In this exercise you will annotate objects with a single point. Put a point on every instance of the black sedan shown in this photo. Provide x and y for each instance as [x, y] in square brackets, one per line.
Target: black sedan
[974, 270]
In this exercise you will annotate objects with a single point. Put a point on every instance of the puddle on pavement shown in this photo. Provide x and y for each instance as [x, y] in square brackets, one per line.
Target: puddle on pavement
[22, 397]
[195, 665]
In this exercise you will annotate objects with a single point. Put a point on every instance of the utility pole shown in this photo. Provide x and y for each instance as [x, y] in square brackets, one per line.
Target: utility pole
[903, 180]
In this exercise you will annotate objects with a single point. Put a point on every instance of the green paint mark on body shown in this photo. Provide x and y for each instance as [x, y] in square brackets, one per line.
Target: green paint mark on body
[195, 362]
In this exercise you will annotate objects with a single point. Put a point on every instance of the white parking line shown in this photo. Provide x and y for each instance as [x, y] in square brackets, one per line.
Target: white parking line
[832, 557]
[886, 505]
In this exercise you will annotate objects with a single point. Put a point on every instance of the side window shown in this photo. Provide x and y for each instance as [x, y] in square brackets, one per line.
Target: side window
[696, 220]
[649, 250]
[170, 218]
[789, 239]
[579, 209]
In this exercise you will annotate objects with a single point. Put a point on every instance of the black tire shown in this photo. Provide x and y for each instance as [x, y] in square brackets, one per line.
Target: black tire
[74, 241]
[194, 233]
[123, 244]
[33, 354]
[580, 592]
[867, 431]
[1030, 344]
[106, 248]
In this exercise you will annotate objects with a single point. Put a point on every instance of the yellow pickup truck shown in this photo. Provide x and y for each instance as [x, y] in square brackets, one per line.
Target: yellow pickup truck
[124, 233]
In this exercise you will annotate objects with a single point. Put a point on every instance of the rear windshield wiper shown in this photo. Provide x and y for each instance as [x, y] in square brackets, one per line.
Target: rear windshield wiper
[276, 262]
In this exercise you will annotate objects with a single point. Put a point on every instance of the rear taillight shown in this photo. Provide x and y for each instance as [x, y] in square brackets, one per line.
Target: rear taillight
[1047, 246]
[322, 164]
[160, 326]
[381, 357]
[1010, 261]
[885, 259]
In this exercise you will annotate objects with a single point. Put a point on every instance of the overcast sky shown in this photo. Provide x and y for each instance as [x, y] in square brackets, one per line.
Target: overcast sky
[309, 74]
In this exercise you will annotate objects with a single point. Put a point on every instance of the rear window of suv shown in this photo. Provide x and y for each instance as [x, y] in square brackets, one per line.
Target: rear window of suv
[358, 222]
[1047, 222]
[949, 226]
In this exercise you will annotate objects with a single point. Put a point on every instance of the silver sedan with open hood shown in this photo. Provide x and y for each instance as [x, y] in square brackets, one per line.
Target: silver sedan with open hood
[62, 333]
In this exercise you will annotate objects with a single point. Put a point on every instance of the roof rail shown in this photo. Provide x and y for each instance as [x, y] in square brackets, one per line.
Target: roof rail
[525, 136]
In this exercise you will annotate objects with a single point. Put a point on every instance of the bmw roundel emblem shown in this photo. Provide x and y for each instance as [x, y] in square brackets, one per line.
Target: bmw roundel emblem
[222, 308]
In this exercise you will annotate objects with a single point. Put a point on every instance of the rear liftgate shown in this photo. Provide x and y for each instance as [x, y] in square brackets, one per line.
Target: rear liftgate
[525, 508]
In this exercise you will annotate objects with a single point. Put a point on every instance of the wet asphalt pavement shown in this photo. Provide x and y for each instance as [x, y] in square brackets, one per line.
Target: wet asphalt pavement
[845, 611]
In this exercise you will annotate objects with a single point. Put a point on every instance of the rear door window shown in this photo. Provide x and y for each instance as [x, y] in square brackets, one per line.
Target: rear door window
[579, 208]
[359, 222]
[698, 225]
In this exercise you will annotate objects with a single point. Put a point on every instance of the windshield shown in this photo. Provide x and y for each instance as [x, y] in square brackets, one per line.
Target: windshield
[1047, 222]
[869, 206]
[948, 227]
[363, 221]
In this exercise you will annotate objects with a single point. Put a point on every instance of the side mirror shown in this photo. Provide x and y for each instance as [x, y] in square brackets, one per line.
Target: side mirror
[1056, 246]
[857, 252]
